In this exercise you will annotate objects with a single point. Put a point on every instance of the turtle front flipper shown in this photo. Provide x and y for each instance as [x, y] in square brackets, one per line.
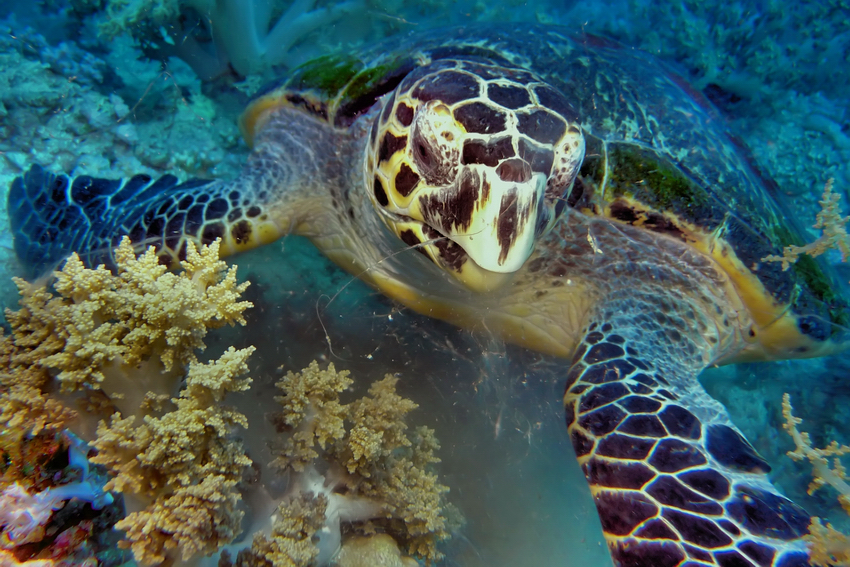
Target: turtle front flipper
[675, 483]
[54, 215]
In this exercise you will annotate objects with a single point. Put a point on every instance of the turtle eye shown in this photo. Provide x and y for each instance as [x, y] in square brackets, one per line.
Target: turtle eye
[424, 155]
[433, 144]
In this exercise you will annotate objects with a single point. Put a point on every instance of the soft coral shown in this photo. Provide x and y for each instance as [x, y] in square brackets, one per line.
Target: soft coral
[353, 466]
[242, 33]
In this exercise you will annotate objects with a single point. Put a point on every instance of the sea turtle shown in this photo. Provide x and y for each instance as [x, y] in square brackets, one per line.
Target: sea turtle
[569, 194]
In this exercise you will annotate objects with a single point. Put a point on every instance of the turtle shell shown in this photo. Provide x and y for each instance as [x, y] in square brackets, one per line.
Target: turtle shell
[334, 88]
[338, 88]
[659, 157]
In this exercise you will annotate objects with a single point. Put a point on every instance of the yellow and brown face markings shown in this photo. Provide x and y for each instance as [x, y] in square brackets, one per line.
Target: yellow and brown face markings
[489, 153]
[390, 144]
[405, 180]
[379, 192]
[409, 237]
[404, 114]
[517, 170]
[669, 488]
[449, 254]
[435, 157]
[508, 224]
[454, 132]
[500, 113]
[455, 211]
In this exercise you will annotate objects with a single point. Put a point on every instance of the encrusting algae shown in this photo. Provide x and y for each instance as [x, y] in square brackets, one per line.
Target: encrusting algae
[120, 351]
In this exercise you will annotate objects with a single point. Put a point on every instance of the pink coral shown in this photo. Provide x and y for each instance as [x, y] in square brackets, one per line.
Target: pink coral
[23, 515]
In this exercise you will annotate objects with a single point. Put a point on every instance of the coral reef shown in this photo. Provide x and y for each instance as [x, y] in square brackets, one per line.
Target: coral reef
[249, 37]
[86, 114]
[777, 70]
[833, 232]
[352, 468]
[373, 470]
[123, 346]
[123, 342]
[297, 522]
[179, 471]
[102, 330]
[828, 546]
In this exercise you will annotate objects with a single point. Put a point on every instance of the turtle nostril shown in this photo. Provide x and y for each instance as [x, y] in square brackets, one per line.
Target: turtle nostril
[514, 170]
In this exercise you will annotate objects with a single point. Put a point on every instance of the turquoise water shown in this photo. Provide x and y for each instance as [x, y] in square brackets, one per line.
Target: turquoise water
[89, 88]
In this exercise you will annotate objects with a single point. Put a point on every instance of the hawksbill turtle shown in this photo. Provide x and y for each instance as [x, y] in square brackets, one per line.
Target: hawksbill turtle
[569, 194]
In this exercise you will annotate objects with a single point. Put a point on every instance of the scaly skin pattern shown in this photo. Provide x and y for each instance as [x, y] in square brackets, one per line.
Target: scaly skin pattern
[675, 483]
[52, 215]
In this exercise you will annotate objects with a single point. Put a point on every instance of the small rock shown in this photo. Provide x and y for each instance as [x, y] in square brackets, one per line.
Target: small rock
[379, 550]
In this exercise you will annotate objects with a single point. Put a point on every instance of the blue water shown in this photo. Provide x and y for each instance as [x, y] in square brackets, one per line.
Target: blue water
[87, 88]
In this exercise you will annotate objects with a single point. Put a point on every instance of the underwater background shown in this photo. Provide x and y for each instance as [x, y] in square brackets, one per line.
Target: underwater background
[111, 88]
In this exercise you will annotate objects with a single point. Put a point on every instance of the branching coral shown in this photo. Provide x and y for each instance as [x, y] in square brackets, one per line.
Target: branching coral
[25, 410]
[828, 546]
[130, 338]
[128, 334]
[360, 458]
[833, 232]
[179, 472]
[291, 544]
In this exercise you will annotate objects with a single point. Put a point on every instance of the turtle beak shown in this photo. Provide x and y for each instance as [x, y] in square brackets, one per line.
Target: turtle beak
[501, 233]
[491, 214]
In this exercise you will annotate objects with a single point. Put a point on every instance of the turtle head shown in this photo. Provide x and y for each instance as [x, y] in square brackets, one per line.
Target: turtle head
[470, 162]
